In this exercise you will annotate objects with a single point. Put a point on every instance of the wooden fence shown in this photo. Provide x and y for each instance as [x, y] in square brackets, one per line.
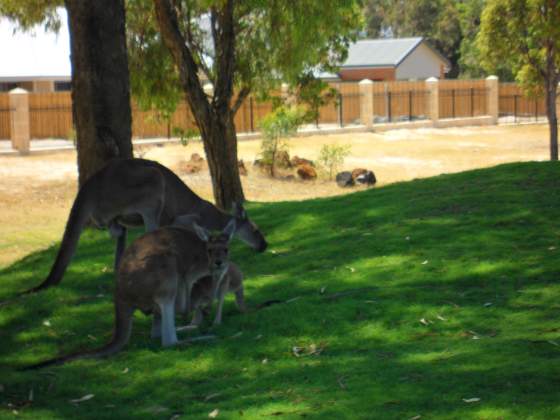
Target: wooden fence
[5, 123]
[400, 101]
[513, 103]
[462, 98]
[50, 114]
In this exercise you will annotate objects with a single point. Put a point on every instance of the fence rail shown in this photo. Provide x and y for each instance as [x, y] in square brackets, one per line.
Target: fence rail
[398, 106]
[461, 103]
[5, 130]
[50, 114]
[513, 103]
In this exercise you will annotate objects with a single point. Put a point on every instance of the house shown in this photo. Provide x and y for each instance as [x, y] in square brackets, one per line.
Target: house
[36, 60]
[391, 59]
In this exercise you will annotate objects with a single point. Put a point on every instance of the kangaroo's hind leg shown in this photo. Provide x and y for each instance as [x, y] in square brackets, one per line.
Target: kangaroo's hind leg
[168, 333]
[222, 290]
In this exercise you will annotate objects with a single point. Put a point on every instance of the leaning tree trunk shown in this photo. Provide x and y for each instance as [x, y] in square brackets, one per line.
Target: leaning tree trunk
[214, 118]
[220, 146]
[551, 94]
[100, 83]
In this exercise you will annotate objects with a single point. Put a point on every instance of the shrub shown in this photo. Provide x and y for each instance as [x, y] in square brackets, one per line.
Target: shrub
[276, 127]
[331, 157]
[185, 134]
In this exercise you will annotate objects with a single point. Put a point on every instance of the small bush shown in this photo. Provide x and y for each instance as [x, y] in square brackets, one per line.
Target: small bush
[331, 157]
[185, 135]
[276, 127]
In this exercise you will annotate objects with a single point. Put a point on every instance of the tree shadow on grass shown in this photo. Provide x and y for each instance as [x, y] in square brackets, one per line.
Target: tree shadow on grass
[411, 299]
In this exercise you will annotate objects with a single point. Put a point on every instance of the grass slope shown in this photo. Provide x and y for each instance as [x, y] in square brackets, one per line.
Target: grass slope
[412, 298]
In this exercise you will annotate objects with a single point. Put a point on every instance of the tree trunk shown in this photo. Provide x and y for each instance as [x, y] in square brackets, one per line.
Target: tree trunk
[220, 146]
[214, 118]
[551, 93]
[100, 83]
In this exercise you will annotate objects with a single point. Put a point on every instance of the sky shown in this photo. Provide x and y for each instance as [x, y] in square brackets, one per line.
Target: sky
[36, 53]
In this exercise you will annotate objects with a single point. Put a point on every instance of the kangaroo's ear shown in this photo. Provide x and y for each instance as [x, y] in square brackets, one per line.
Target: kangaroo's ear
[201, 232]
[229, 230]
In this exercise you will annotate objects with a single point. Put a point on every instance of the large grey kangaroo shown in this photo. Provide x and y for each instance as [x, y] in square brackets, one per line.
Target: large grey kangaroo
[135, 192]
[149, 277]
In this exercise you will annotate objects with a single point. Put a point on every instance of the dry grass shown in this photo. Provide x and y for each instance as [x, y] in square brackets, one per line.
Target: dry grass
[36, 192]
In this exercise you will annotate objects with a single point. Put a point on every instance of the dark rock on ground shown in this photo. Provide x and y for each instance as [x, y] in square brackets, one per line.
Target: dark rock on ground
[344, 179]
[367, 178]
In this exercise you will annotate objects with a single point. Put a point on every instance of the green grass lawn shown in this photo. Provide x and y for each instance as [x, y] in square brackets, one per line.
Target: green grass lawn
[437, 298]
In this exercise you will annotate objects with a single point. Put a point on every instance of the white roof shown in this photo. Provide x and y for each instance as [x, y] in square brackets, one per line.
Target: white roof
[34, 54]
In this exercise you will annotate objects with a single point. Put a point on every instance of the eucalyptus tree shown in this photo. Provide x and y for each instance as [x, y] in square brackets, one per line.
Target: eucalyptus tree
[525, 35]
[239, 47]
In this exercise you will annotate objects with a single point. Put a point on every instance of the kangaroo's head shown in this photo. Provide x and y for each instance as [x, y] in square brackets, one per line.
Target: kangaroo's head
[217, 249]
[247, 230]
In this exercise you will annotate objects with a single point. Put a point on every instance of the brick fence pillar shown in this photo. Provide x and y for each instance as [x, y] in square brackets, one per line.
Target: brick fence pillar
[492, 86]
[432, 85]
[366, 102]
[19, 119]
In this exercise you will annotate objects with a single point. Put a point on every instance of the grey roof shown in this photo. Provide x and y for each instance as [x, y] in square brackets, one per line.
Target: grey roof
[388, 52]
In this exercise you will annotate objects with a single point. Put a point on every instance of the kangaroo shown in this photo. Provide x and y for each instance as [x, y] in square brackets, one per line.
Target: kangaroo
[149, 276]
[134, 192]
[202, 297]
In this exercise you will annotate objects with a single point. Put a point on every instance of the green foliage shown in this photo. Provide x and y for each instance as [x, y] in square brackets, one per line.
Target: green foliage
[32, 12]
[437, 21]
[154, 81]
[185, 134]
[405, 300]
[522, 34]
[331, 157]
[450, 26]
[275, 41]
[313, 93]
[469, 55]
[276, 127]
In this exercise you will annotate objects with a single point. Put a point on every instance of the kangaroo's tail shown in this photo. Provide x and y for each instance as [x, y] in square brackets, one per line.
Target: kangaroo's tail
[121, 336]
[79, 216]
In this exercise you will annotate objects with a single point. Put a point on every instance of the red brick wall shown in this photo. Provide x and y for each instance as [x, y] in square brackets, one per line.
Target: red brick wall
[375, 74]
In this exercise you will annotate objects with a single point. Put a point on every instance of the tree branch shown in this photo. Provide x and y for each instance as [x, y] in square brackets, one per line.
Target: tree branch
[224, 41]
[243, 93]
[188, 70]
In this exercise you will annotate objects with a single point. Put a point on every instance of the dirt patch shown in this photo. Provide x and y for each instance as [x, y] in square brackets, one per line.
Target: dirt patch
[36, 192]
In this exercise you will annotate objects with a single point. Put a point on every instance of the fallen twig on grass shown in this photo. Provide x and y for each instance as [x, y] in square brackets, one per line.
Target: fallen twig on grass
[349, 292]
